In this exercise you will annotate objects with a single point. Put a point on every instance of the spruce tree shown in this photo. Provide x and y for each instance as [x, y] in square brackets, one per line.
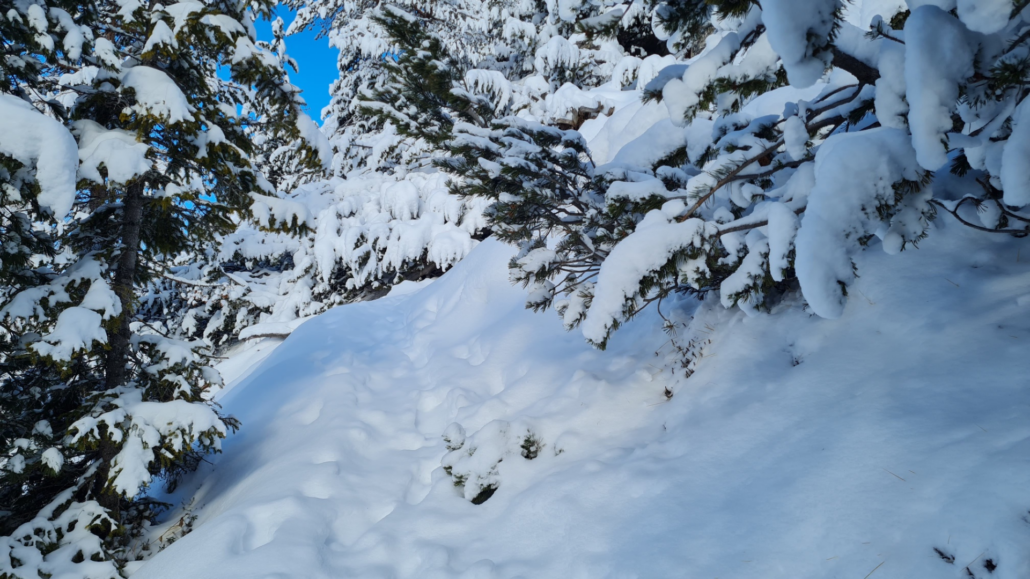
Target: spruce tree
[747, 212]
[100, 404]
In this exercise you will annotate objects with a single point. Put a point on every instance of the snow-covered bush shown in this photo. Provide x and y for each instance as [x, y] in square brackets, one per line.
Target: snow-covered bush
[474, 461]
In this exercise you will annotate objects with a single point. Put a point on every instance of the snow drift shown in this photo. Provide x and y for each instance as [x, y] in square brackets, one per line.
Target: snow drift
[800, 447]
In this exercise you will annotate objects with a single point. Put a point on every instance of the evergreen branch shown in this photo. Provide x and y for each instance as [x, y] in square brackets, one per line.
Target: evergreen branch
[860, 70]
[1019, 8]
[190, 283]
[727, 179]
[954, 213]
[755, 225]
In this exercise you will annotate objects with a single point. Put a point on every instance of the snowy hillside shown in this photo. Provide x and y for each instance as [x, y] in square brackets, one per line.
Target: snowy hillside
[801, 447]
[609, 289]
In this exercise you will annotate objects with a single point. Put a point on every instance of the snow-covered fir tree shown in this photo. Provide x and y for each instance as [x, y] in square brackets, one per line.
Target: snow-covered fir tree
[865, 132]
[503, 97]
[123, 146]
[495, 66]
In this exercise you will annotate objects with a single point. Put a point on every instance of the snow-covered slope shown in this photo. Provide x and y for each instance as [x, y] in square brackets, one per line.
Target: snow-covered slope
[801, 447]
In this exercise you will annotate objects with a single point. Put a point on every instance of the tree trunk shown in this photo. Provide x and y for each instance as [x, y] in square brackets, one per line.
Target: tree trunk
[124, 285]
[118, 338]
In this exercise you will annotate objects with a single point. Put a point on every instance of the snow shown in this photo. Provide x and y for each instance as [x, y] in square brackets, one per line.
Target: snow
[854, 174]
[660, 140]
[795, 28]
[861, 14]
[212, 136]
[756, 63]
[938, 57]
[118, 151]
[16, 464]
[801, 447]
[76, 329]
[1015, 171]
[181, 12]
[795, 135]
[160, 35]
[310, 132]
[642, 251]
[41, 142]
[445, 431]
[37, 17]
[740, 287]
[945, 5]
[105, 51]
[62, 530]
[53, 459]
[372, 226]
[984, 16]
[142, 427]
[493, 83]
[565, 102]
[653, 65]
[635, 191]
[683, 95]
[74, 36]
[627, 124]
[556, 53]
[157, 94]
[889, 103]
[783, 227]
[274, 212]
[101, 298]
[29, 302]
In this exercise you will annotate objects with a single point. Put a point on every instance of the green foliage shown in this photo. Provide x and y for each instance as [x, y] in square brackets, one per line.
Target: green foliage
[422, 96]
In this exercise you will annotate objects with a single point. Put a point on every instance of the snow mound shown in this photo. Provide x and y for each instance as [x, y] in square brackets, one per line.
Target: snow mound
[800, 447]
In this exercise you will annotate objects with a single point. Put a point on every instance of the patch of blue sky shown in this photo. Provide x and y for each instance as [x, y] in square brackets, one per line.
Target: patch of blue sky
[315, 59]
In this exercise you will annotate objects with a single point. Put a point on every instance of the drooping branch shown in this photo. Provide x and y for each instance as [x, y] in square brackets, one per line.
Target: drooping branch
[860, 70]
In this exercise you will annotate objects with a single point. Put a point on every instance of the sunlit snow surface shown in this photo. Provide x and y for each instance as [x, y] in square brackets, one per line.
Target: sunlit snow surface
[802, 447]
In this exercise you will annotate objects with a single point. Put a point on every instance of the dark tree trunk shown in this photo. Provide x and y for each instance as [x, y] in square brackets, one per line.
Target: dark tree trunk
[124, 285]
[118, 338]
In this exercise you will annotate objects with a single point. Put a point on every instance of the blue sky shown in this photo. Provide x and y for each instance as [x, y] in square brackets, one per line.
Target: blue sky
[315, 58]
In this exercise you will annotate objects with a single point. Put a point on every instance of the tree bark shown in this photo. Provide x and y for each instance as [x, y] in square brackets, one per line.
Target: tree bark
[124, 285]
[118, 338]
[860, 70]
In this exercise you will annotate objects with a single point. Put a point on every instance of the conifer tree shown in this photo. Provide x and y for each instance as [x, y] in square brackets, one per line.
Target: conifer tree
[100, 404]
[749, 213]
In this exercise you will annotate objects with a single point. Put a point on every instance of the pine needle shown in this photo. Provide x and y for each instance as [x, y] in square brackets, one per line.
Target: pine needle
[892, 474]
[977, 558]
[878, 566]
